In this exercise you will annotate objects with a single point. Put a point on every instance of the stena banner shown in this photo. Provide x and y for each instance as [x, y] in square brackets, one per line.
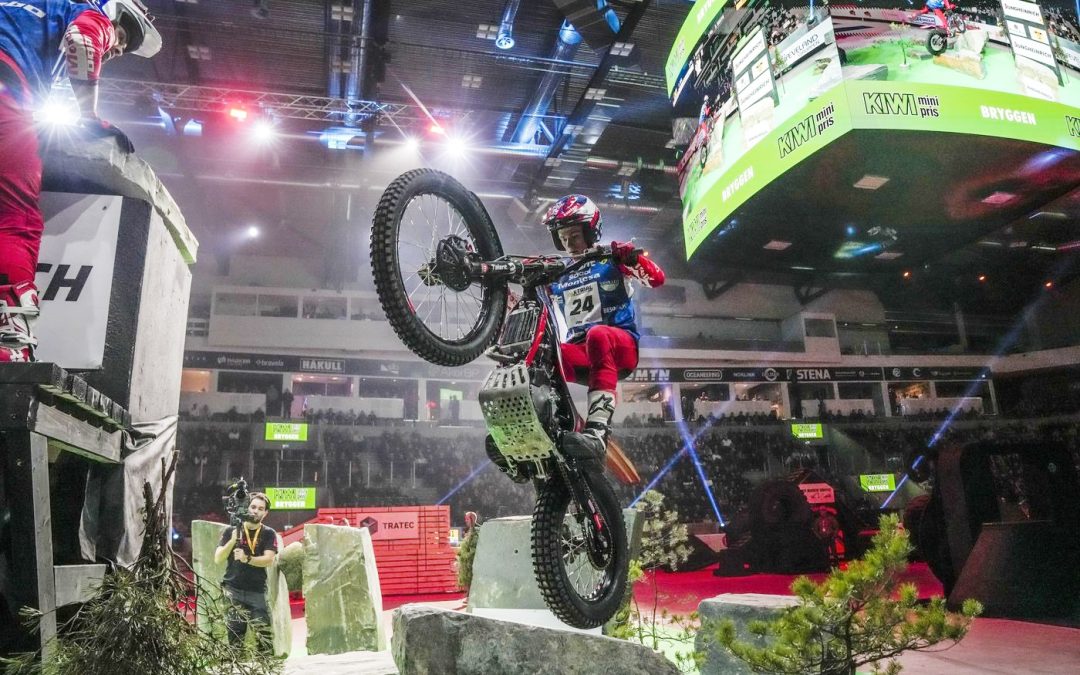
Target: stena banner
[75, 277]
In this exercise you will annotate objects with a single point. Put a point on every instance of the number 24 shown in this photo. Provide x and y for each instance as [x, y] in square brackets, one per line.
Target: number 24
[580, 305]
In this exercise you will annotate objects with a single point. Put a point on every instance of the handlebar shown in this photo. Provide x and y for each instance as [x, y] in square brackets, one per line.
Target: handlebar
[535, 270]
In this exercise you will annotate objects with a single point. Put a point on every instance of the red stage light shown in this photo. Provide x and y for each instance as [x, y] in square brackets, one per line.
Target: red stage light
[238, 114]
[436, 129]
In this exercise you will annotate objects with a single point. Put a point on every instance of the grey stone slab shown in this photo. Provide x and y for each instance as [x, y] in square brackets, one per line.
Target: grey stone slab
[741, 608]
[98, 167]
[432, 641]
[343, 600]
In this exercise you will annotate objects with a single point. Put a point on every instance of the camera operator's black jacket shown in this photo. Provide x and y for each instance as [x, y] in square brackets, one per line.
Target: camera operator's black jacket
[241, 576]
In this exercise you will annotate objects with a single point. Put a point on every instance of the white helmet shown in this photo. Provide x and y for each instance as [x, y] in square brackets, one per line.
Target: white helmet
[143, 39]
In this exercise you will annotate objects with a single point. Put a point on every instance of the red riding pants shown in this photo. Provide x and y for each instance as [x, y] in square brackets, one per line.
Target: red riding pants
[21, 223]
[607, 350]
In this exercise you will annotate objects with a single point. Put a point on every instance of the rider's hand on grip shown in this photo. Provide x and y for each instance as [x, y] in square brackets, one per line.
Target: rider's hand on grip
[625, 253]
[95, 127]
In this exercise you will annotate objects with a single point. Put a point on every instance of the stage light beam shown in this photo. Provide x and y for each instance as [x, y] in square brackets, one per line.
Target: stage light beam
[464, 481]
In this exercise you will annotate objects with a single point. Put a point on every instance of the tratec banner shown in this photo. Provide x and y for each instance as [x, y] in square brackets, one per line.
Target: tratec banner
[392, 525]
[75, 277]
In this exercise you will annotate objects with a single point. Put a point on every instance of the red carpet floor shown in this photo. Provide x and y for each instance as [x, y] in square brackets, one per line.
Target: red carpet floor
[680, 592]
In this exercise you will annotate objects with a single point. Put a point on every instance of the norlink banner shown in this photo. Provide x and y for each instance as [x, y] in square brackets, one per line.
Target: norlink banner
[286, 431]
[291, 498]
[700, 19]
[877, 482]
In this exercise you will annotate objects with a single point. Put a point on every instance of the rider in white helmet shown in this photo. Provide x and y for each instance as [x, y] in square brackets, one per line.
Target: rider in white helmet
[40, 40]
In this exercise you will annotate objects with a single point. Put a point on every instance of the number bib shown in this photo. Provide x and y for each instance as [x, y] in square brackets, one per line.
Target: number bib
[582, 305]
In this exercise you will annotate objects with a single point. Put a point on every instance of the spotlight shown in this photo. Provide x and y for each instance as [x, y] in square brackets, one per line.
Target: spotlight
[1048, 284]
[412, 143]
[457, 145]
[57, 113]
[982, 278]
[253, 232]
[907, 274]
[264, 131]
[437, 129]
[238, 114]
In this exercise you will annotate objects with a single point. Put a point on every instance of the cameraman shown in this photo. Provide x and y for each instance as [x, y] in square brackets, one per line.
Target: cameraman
[253, 548]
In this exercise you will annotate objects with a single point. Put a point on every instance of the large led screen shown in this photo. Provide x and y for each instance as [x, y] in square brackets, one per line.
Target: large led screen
[766, 84]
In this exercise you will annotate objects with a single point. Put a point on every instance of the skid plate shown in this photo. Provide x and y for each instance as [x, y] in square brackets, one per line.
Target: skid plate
[507, 403]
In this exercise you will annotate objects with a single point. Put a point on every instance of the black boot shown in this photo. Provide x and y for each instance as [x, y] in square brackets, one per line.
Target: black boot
[588, 444]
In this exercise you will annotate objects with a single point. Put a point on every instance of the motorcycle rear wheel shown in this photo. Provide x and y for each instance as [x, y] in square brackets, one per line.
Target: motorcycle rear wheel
[420, 211]
[578, 590]
[937, 42]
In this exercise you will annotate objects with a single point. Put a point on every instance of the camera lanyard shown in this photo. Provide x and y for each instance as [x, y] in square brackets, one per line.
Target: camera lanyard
[252, 544]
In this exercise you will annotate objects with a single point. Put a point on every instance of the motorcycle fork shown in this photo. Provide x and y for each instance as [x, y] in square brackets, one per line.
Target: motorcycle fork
[595, 528]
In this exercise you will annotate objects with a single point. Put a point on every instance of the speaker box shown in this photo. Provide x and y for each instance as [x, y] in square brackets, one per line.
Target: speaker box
[1024, 570]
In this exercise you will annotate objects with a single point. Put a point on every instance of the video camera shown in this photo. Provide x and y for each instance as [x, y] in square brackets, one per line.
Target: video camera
[236, 501]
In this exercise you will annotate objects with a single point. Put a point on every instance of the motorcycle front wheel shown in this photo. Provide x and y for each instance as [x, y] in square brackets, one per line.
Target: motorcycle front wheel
[424, 219]
[581, 563]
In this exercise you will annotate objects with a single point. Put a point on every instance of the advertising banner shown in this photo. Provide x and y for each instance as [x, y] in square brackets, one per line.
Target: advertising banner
[818, 493]
[286, 431]
[392, 525]
[809, 431]
[877, 482]
[1028, 35]
[936, 373]
[75, 276]
[291, 498]
[285, 363]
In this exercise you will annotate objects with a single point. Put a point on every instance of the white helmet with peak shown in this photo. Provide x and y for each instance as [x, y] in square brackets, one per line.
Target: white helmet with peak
[143, 39]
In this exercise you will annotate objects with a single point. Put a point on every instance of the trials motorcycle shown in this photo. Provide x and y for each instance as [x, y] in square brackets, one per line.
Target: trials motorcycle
[444, 283]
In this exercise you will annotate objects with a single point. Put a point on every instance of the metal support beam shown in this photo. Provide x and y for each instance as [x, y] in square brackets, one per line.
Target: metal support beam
[582, 110]
[807, 293]
[714, 288]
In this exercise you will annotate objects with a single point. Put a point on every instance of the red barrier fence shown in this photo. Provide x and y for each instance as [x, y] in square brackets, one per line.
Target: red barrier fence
[412, 544]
